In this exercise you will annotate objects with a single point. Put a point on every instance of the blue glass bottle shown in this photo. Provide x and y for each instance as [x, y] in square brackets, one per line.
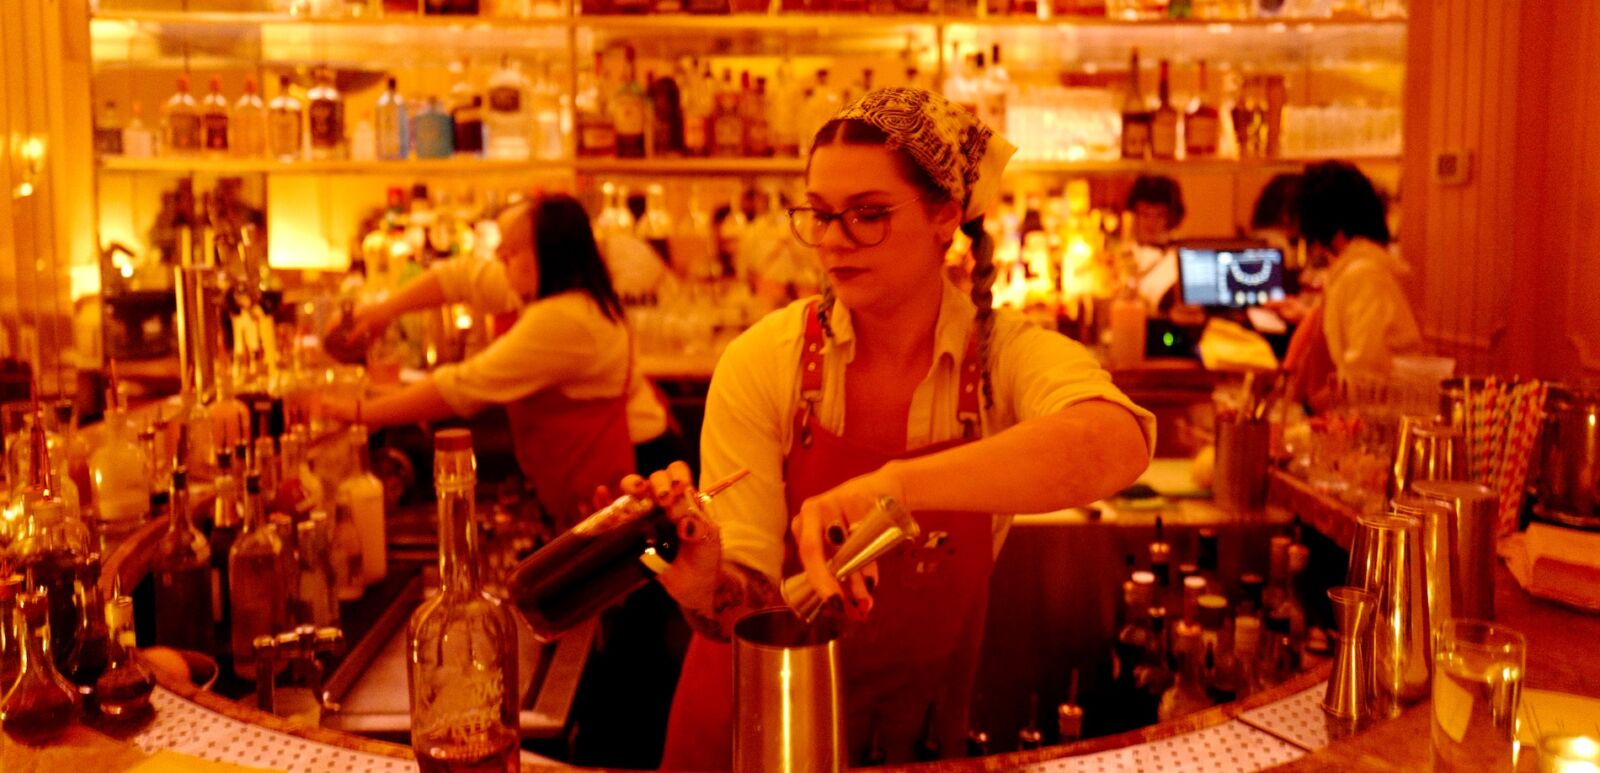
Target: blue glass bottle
[432, 131]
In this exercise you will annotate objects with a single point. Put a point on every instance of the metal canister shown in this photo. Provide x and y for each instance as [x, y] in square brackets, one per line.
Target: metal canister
[1567, 465]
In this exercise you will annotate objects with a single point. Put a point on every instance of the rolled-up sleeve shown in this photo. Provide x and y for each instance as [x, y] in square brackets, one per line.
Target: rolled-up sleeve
[743, 429]
[543, 348]
[1044, 372]
[478, 283]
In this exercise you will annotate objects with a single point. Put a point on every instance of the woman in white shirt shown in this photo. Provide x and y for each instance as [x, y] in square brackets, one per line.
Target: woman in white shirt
[1365, 316]
[893, 383]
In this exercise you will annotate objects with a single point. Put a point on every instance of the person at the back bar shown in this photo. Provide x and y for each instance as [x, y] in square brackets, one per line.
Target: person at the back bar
[892, 383]
[1365, 318]
[581, 413]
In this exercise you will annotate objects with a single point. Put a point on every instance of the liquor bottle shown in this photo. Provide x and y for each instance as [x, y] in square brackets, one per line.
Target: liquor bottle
[628, 112]
[1279, 660]
[1187, 627]
[1206, 559]
[432, 130]
[1202, 124]
[820, 108]
[1161, 558]
[961, 86]
[995, 92]
[108, 129]
[214, 116]
[1219, 667]
[91, 648]
[10, 643]
[784, 113]
[757, 126]
[1029, 737]
[42, 703]
[256, 581]
[1154, 674]
[319, 601]
[466, 120]
[181, 120]
[137, 141]
[1136, 116]
[1133, 642]
[54, 549]
[1277, 589]
[597, 135]
[348, 580]
[248, 123]
[392, 125]
[461, 644]
[1164, 121]
[666, 116]
[977, 743]
[282, 524]
[549, 118]
[727, 125]
[1292, 606]
[508, 122]
[1247, 652]
[122, 692]
[697, 108]
[182, 569]
[118, 471]
[361, 496]
[655, 225]
[284, 119]
[325, 118]
[226, 524]
[1250, 589]
[1187, 693]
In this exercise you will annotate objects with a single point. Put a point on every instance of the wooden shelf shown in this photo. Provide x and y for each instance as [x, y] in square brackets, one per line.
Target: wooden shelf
[420, 167]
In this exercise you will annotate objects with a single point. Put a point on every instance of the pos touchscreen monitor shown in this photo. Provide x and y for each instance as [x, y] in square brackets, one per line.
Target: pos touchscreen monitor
[1232, 274]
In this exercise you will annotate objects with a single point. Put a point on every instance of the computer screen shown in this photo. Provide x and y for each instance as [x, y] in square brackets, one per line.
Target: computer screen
[1233, 276]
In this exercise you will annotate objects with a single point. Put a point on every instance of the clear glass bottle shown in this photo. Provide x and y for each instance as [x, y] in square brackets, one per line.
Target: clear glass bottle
[393, 124]
[257, 591]
[285, 117]
[461, 644]
[597, 135]
[508, 119]
[1164, 121]
[42, 703]
[361, 497]
[180, 119]
[1202, 124]
[1136, 115]
[249, 123]
[10, 642]
[182, 569]
[629, 111]
[1187, 693]
[214, 115]
[91, 647]
[122, 693]
[54, 547]
[226, 523]
[317, 596]
[137, 139]
[550, 123]
[118, 472]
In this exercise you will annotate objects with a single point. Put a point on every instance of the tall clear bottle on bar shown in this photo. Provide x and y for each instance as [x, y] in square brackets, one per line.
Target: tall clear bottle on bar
[182, 568]
[461, 644]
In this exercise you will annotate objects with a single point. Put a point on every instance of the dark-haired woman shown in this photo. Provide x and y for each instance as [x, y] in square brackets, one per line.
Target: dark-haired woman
[1365, 317]
[565, 370]
[892, 383]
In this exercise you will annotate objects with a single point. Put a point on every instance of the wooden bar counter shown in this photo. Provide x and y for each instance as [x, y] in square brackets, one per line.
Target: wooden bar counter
[1282, 728]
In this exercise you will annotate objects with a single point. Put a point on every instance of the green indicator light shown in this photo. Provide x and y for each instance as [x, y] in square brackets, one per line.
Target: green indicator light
[1168, 338]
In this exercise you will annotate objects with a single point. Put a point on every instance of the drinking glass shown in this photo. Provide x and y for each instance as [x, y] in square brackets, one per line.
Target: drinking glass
[1477, 686]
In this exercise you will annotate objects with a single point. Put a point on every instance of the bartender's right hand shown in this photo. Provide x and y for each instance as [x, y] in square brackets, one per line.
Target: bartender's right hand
[365, 324]
[691, 578]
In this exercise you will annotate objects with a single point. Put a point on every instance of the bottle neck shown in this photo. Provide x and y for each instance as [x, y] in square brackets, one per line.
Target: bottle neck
[179, 504]
[458, 544]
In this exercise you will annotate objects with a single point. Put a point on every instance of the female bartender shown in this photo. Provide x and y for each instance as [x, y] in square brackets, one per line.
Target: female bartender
[565, 370]
[892, 383]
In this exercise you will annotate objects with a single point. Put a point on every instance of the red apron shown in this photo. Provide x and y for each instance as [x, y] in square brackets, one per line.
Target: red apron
[1308, 361]
[918, 651]
[567, 446]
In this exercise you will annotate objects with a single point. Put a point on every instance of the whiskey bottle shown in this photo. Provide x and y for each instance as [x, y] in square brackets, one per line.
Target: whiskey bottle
[1164, 121]
[1136, 117]
[182, 569]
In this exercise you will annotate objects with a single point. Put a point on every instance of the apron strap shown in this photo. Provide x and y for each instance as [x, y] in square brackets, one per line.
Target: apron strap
[811, 349]
[968, 380]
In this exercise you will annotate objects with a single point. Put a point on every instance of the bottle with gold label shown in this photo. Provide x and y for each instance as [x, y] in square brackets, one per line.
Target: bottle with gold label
[461, 644]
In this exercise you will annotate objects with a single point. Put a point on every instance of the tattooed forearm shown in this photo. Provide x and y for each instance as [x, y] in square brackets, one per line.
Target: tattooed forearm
[738, 592]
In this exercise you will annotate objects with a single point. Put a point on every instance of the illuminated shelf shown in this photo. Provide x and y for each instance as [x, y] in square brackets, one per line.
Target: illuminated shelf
[666, 166]
[226, 166]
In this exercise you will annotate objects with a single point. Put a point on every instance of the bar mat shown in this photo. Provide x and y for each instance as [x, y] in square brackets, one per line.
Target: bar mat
[192, 729]
[1298, 719]
[1233, 747]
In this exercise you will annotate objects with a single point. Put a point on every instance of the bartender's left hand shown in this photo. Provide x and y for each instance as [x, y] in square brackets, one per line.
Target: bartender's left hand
[826, 520]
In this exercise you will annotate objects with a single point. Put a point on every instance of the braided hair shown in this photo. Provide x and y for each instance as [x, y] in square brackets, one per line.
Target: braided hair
[856, 132]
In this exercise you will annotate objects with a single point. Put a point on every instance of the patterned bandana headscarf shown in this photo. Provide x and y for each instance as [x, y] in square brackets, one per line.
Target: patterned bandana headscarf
[961, 154]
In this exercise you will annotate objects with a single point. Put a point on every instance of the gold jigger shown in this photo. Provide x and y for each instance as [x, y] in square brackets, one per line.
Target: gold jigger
[885, 527]
[1349, 694]
[1392, 570]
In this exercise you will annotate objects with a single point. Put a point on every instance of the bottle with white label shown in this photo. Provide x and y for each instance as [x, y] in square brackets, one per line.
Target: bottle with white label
[361, 495]
[507, 121]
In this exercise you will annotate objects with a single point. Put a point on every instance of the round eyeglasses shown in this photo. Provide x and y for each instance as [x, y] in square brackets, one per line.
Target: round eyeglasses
[865, 226]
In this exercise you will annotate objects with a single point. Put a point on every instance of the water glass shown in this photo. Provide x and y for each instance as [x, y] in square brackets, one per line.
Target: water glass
[1477, 687]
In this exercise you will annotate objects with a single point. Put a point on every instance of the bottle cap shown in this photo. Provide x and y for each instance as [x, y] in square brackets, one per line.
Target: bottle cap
[453, 440]
[1194, 582]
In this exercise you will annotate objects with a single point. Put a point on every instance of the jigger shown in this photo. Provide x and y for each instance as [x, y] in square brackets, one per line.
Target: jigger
[1349, 694]
[884, 528]
[1390, 566]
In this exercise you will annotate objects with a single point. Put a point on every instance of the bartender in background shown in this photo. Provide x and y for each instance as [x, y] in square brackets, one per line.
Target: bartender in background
[582, 416]
[1156, 205]
[1366, 319]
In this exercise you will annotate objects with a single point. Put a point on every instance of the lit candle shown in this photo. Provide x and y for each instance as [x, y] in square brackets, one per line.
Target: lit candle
[1569, 754]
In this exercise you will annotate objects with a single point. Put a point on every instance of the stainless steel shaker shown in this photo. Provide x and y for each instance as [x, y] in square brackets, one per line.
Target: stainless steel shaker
[1391, 568]
[1459, 542]
[788, 697]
